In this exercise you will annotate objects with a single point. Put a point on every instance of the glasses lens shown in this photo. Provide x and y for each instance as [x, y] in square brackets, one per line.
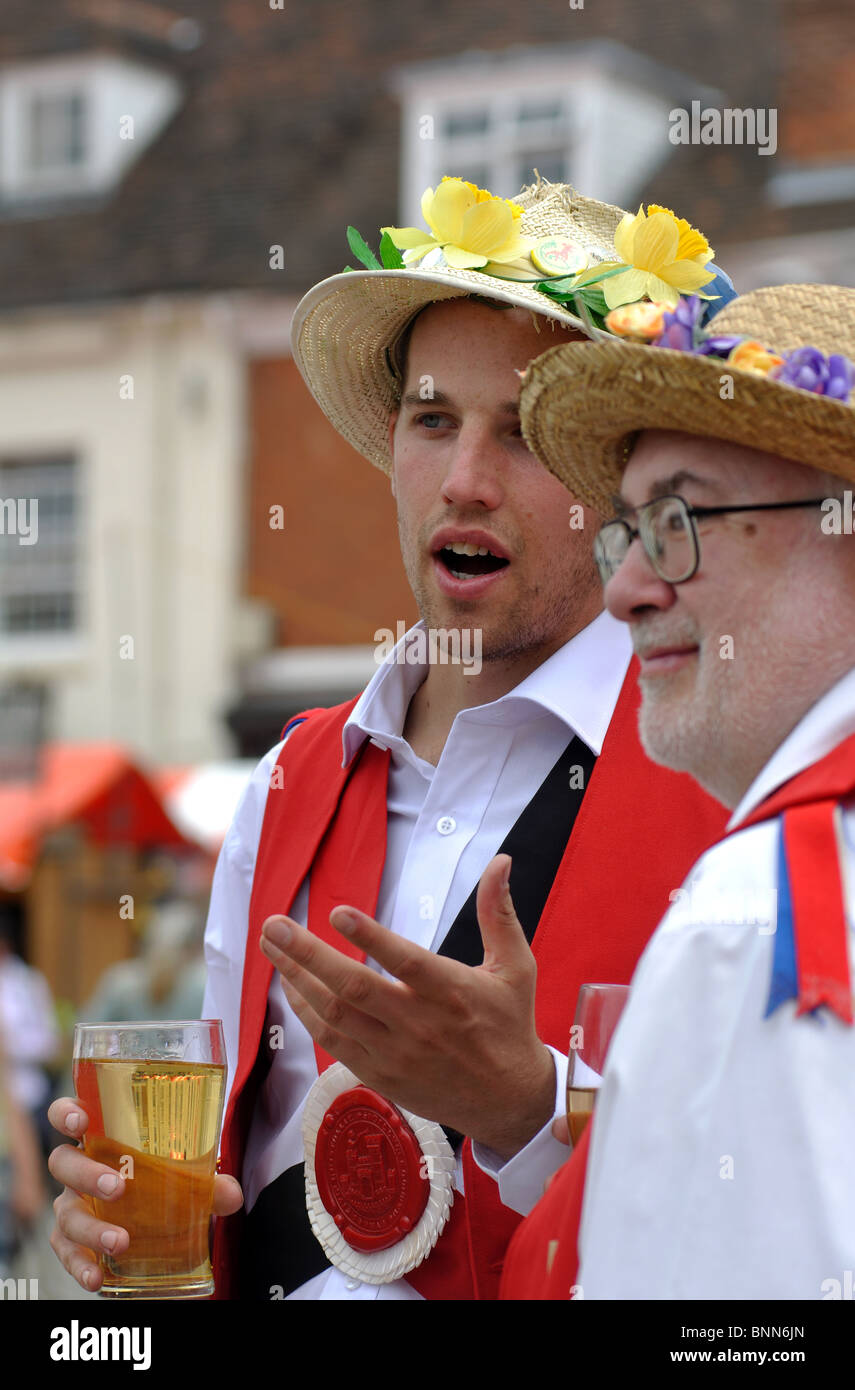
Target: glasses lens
[669, 538]
[610, 547]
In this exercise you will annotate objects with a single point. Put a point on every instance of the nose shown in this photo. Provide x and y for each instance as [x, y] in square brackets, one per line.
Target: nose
[635, 586]
[474, 475]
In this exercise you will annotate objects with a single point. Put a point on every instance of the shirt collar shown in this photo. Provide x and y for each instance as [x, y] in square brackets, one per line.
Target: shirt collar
[827, 723]
[579, 683]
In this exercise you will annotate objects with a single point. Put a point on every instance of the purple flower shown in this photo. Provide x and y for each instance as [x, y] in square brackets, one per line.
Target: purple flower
[841, 378]
[721, 346]
[810, 370]
[682, 331]
[680, 325]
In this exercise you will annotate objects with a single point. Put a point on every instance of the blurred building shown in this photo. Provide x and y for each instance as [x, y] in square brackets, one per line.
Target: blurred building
[210, 556]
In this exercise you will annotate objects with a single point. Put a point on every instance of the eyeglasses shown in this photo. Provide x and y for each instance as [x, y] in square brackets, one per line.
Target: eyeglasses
[667, 529]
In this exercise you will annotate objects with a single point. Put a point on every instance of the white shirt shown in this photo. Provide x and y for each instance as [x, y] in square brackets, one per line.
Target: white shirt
[445, 823]
[29, 1036]
[722, 1161]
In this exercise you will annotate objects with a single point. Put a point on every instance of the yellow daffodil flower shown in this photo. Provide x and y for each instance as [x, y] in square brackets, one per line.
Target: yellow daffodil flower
[662, 257]
[470, 225]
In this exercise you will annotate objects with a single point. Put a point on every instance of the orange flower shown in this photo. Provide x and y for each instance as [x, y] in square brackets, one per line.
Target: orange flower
[641, 322]
[754, 357]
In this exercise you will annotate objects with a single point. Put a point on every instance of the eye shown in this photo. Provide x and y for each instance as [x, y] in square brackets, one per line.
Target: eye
[433, 421]
[673, 521]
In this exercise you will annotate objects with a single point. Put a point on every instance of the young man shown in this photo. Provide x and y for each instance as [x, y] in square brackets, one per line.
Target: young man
[398, 802]
[720, 1157]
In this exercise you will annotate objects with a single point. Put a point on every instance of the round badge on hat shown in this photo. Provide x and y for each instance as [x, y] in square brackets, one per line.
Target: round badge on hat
[559, 255]
[379, 1180]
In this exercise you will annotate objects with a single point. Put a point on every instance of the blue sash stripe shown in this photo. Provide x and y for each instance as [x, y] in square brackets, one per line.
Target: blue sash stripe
[785, 982]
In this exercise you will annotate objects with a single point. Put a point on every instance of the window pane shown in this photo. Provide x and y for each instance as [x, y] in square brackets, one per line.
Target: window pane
[465, 123]
[56, 131]
[539, 109]
[39, 545]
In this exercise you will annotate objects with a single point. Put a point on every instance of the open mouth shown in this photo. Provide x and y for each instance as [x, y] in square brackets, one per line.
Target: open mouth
[466, 561]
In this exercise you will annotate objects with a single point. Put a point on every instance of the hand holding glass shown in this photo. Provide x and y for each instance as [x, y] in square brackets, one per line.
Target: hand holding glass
[154, 1093]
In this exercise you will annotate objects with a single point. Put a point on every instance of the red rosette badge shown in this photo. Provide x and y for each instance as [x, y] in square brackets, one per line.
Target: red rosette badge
[379, 1180]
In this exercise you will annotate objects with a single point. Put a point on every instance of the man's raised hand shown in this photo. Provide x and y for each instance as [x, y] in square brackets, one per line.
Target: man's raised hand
[450, 1042]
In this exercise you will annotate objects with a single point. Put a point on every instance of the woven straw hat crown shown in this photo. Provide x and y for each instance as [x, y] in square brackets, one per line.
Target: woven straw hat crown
[581, 404]
[344, 328]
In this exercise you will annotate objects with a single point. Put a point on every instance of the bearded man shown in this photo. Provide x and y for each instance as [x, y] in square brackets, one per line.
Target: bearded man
[720, 1153]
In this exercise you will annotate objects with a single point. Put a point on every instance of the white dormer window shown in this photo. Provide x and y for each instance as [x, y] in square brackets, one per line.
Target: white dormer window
[497, 142]
[594, 114]
[72, 127]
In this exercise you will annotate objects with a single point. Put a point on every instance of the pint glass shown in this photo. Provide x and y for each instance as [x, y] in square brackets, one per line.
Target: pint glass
[153, 1093]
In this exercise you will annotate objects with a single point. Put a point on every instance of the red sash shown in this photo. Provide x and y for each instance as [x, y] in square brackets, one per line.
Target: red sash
[608, 895]
[542, 1261]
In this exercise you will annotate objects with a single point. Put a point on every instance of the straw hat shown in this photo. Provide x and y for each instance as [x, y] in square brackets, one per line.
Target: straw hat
[581, 404]
[343, 329]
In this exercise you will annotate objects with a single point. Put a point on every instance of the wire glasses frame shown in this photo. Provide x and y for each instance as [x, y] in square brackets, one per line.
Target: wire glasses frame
[667, 529]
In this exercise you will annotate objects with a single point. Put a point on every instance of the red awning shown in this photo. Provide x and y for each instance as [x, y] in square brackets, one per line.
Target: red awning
[92, 783]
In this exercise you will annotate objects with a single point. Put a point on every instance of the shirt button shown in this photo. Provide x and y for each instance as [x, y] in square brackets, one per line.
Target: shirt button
[446, 825]
[353, 1284]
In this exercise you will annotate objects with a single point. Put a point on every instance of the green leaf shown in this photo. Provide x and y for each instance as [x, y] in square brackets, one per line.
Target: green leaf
[345, 268]
[593, 297]
[389, 254]
[560, 296]
[593, 275]
[361, 250]
[598, 320]
[562, 286]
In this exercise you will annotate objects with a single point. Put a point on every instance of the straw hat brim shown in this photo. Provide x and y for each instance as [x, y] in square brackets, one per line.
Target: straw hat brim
[581, 405]
[342, 330]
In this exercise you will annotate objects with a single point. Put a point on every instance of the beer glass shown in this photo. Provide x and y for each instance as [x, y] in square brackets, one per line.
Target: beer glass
[154, 1096]
[597, 1012]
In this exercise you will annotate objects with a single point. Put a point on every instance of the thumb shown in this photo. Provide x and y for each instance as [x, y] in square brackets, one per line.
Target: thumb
[504, 941]
[228, 1197]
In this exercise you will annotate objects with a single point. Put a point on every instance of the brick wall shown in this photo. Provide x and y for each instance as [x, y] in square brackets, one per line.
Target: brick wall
[333, 573]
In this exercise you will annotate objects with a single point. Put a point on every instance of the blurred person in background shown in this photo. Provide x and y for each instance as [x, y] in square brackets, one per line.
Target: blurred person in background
[29, 1035]
[23, 1194]
[167, 978]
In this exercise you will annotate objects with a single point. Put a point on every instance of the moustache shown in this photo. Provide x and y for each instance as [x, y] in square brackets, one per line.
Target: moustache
[652, 635]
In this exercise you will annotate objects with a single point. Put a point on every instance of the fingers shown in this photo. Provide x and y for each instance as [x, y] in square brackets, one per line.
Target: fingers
[78, 1234]
[425, 972]
[228, 1196]
[68, 1117]
[292, 949]
[504, 941]
[338, 1044]
[343, 1020]
[71, 1167]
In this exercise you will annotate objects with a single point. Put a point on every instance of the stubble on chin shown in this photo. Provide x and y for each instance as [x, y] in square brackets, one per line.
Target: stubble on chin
[677, 726]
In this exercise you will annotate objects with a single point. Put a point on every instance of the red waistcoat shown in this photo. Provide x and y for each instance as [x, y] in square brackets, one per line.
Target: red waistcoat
[638, 831]
[543, 1259]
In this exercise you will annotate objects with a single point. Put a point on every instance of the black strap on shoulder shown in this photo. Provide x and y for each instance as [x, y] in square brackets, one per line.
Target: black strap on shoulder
[536, 843]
